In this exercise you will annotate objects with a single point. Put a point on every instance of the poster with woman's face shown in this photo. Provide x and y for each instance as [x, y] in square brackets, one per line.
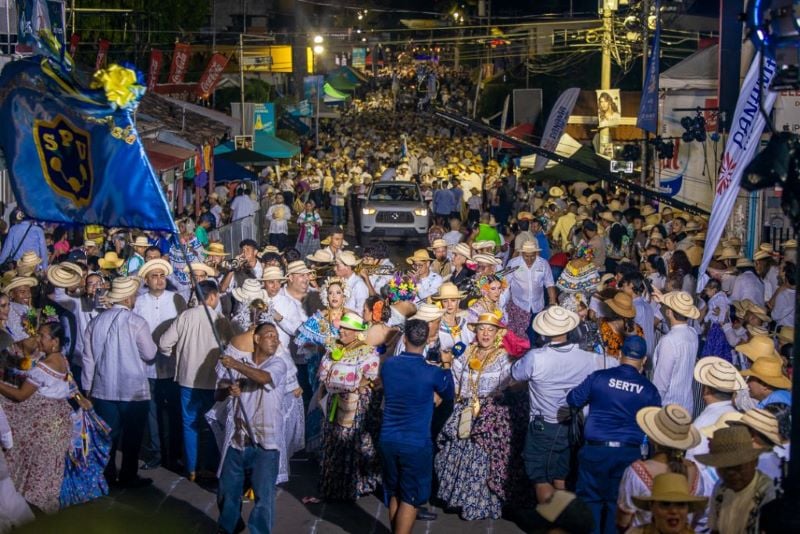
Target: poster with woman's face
[608, 108]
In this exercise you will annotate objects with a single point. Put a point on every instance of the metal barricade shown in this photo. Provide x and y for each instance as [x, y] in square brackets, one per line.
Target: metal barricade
[230, 235]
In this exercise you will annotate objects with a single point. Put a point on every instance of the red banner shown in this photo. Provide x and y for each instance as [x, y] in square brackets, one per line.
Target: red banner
[180, 62]
[156, 59]
[211, 76]
[102, 53]
[73, 44]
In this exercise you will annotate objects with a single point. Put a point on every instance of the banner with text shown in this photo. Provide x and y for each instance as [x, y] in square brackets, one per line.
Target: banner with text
[745, 136]
[156, 60]
[180, 62]
[556, 123]
[359, 58]
[102, 54]
[212, 75]
[264, 118]
[648, 108]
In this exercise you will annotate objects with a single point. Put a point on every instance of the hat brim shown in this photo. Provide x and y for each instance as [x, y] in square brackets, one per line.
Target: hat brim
[411, 260]
[105, 264]
[241, 296]
[696, 504]
[619, 310]
[646, 419]
[70, 280]
[458, 296]
[780, 382]
[553, 330]
[703, 375]
[729, 459]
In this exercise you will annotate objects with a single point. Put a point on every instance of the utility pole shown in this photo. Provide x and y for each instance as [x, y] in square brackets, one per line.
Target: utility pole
[645, 20]
[605, 67]
[241, 79]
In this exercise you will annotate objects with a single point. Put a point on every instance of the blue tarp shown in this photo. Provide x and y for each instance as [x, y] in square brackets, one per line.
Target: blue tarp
[228, 171]
[273, 146]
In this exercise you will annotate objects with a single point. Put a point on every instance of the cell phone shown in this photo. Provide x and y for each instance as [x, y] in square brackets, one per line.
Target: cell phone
[538, 423]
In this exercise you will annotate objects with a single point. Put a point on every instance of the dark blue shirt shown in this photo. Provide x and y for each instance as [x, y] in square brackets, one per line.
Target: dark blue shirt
[614, 396]
[408, 387]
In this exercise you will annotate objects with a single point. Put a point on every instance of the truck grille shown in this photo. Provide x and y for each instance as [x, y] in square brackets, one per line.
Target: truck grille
[394, 217]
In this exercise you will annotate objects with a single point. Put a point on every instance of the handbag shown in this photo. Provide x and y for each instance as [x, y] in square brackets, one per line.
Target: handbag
[465, 423]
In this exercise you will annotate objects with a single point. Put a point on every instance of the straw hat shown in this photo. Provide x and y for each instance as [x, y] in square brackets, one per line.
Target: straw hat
[525, 216]
[90, 243]
[20, 281]
[759, 346]
[419, 255]
[327, 241]
[555, 321]
[482, 245]
[197, 267]
[269, 249]
[321, 255]
[110, 261]
[721, 422]
[250, 290]
[615, 205]
[352, 321]
[681, 302]
[347, 257]
[428, 312]
[790, 244]
[741, 306]
[530, 246]
[671, 487]
[695, 255]
[463, 250]
[763, 422]
[716, 373]
[729, 253]
[438, 243]
[28, 263]
[298, 267]
[652, 219]
[156, 264]
[486, 259]
[769, 371]
[647, 210]
[216, 249]
[786, 334]
[449, 290]
[608, 216]
[140, 241]
[692, 226]
[759, 312]
[670, 426]
[486, 318]
[757, 330]
[273, 273]
[595, 197]
[762, 255]
[744, 262]
[622, 305]
[556, 192]
[122, 288]
[60, 276]
[729, 447]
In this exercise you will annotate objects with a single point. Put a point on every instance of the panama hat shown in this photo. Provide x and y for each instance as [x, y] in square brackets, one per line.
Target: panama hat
[63, 277]
[769, 371]
[347, 257]
[681, 302]
[298, 267]
[556, 192]
[216, 249]
[673, 488]
[449, 290]
[438, 243]
[122, 288]
[352, 321]
[74, 267]
[156, 264]
[759, 346]
[762, 255]
[614, 205]
[722, 422]
[140, 241]
[729, 253]
[729, 447]
[486, 318]
[652, 219]
[692, 226]
[197, 267]
[321, 255]
[744, 262]
[608, 216]
[482, 245]
[428, 312]
[716, 373]
[670, 426]
[759, 312]
[20, 281]
[525, 216]
[486, 259]
[604, 280]
[327, 241]
[647, 210]
[28, 263]
[741, 306]
[463, 250]
[90, 243]
[419, 255]
[273, 273]
[786, 334]
[763, 422]
[269, 249]
[555, 321]
[250, 290]
[110, 261]
[790, 244]
[622, 304]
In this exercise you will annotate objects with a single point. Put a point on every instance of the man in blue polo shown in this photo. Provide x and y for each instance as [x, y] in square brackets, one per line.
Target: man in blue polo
[406, 447]
[613, 438]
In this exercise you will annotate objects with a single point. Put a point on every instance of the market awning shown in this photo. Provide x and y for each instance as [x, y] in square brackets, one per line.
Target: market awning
[273, 146]
[164, 156]
[522, 131]
[228, 171]
[332, 94]
[245, 156]
[163, 162]
[341, 83]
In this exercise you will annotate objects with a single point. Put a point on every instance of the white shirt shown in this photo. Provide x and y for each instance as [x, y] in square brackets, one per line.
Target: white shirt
[551, 372]
[453, 237]
[292, 316]
[748, 286]
[358, 294]
[770, 282]
[83, 310]
[718, 306]
[527, 284]
[429, 285]
[710, 415]
[159, 312]
[242, 206]
[646, 318]
[673, 364]
[278, 217]
[118, 345]
[783, 310]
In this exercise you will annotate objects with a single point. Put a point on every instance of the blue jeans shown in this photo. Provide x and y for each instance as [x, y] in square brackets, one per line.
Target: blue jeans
[262, 465]
[194, 405]
[152, 444]
[126, 420]
[599, 475]
[338, 215]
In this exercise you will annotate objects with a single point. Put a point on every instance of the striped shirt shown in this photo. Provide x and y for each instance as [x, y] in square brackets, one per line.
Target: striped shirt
[673, 364]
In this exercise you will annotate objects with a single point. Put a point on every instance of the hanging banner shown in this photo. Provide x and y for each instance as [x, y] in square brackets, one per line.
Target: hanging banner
[180, 63]
[156, 60]
[312, 87]
[264, 118]
[743, 140]
[102, 54]
[74, 41]
[648, 108]
[359, 58]
[608, 108]
[212, 75]
[556, 123]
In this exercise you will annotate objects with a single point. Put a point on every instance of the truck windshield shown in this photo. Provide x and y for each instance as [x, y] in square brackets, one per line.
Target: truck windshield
[395, 192]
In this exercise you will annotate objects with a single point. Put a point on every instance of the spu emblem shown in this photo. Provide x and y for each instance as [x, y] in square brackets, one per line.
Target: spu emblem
[65, 156]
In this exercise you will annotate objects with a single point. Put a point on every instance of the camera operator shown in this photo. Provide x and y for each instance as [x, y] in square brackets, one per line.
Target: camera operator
[244, 266]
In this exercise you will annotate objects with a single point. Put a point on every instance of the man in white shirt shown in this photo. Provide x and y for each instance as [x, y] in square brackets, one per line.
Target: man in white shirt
[346, 261]
[159, 308]
[551, 372]
[243, 206]
[118, 346]
[526, 286]
[676, 352]
[782, 302]
[428, 282]
[634, 285]
[278, 216]
[190, 338]
[747, 284]
[288, 313]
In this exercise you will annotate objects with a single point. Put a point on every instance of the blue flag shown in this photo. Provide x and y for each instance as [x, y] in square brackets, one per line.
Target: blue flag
[73, 153]
[648, 109]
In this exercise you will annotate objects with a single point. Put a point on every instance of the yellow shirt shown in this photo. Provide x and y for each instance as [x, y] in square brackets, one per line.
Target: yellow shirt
[91, 231]
[562, 228]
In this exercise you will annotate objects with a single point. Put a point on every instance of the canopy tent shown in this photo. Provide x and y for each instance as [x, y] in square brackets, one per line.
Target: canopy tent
[227, 171]
[569, 147]
[350, 74]
[698, 71]
[289, 122]
[274, 147]
[245, 156]
[340, 82]
[333, 95]
[522, 131]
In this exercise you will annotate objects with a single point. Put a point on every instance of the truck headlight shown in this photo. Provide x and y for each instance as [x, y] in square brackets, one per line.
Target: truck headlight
[369, 211]
[421, 212]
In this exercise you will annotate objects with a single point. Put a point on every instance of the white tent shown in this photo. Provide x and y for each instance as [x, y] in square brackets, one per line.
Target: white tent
[700, 71]
[567, 146]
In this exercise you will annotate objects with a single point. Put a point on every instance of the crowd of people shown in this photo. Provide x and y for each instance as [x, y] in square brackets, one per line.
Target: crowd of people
[545, 358]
